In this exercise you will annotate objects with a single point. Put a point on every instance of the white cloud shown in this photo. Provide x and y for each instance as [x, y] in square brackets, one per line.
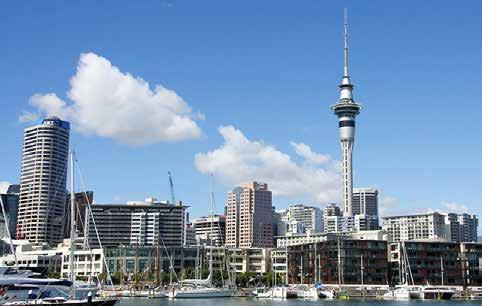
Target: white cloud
[305, 151]
[4, 186]
[110, 103]
[28, 117]
[453, 207]
[240, 159]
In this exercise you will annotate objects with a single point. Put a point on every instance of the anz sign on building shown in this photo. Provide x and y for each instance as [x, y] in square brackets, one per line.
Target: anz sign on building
[55, 121]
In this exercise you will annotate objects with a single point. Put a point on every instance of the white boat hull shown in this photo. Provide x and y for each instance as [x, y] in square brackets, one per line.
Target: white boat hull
[201, 293]
[397, 294]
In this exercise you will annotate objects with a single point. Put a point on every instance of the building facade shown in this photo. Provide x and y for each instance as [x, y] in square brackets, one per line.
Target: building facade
[141, 223]
[442, 226]
[249, 219]
[365, 201]
[82, 200]
[254, 260]
[339, 261]
[308, 218]
[205, 226]
[420, 226]
[436, 263]
[43, 182]
[10, 204]
[468, 227]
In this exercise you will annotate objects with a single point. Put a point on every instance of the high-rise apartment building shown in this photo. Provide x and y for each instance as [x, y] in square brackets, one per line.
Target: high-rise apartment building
[461, 227]
[204, 227]
[411, 227]
[309, 217]
[43, 182]
[141, 223]
[249, 219]
[435, 225]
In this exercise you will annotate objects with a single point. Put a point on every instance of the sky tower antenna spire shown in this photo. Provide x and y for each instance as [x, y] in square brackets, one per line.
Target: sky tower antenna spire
[345, 49]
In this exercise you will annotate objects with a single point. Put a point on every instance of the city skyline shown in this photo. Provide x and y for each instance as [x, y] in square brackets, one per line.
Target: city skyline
[280, 116]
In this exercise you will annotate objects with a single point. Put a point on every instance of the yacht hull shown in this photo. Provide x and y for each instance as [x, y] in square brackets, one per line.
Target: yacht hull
[201, 293]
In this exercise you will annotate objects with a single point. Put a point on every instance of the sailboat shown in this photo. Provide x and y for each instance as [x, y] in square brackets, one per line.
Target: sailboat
[401, 292]
[202, 288]
[72, 299]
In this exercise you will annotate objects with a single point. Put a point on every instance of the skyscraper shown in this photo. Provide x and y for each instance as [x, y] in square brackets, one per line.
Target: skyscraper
[249, 219]
[10, 204]
[346, 109]
[43, 182]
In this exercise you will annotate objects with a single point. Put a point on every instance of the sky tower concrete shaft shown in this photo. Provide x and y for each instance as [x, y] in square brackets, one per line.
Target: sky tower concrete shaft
[346, 109]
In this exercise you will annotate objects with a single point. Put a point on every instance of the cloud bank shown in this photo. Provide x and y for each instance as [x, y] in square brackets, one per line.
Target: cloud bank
[107, 102]
[240, 159]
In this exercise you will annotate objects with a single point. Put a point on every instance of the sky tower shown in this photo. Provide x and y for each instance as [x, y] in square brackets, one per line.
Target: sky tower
[346, 109]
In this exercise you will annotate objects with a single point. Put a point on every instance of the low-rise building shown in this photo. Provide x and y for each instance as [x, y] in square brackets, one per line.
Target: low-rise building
[339, 261]
[33, 257]
[436, 263]
[254, 260]
[279, 264]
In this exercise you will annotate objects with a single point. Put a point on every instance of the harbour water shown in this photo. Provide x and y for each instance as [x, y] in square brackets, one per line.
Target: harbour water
[294, 302]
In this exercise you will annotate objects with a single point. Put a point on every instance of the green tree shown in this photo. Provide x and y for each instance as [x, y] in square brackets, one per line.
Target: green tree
[53, 274]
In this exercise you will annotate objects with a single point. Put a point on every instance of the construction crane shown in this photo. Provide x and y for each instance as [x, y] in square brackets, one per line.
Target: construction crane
[171, 185]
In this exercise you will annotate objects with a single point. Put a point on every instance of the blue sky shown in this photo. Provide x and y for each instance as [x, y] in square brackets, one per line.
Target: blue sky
[270, 70]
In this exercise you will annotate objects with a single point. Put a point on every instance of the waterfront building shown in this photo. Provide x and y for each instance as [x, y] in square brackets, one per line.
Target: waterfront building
[43, 181]
[249, 216]
[37, 258]
[296, 239]
[346, 110]
[10, 203]
[254, 260]
[436, 263]
[89, 263]
[339, 261]
[470, 261]
[279, 265]
[141, 223]
[204, 226]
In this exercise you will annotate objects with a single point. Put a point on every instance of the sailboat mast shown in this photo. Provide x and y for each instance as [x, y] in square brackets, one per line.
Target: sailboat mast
[339, 262]
[316, 264]
[158, 264]
[442, 268]
[362, 268]
[72, 225]
[211, 235]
